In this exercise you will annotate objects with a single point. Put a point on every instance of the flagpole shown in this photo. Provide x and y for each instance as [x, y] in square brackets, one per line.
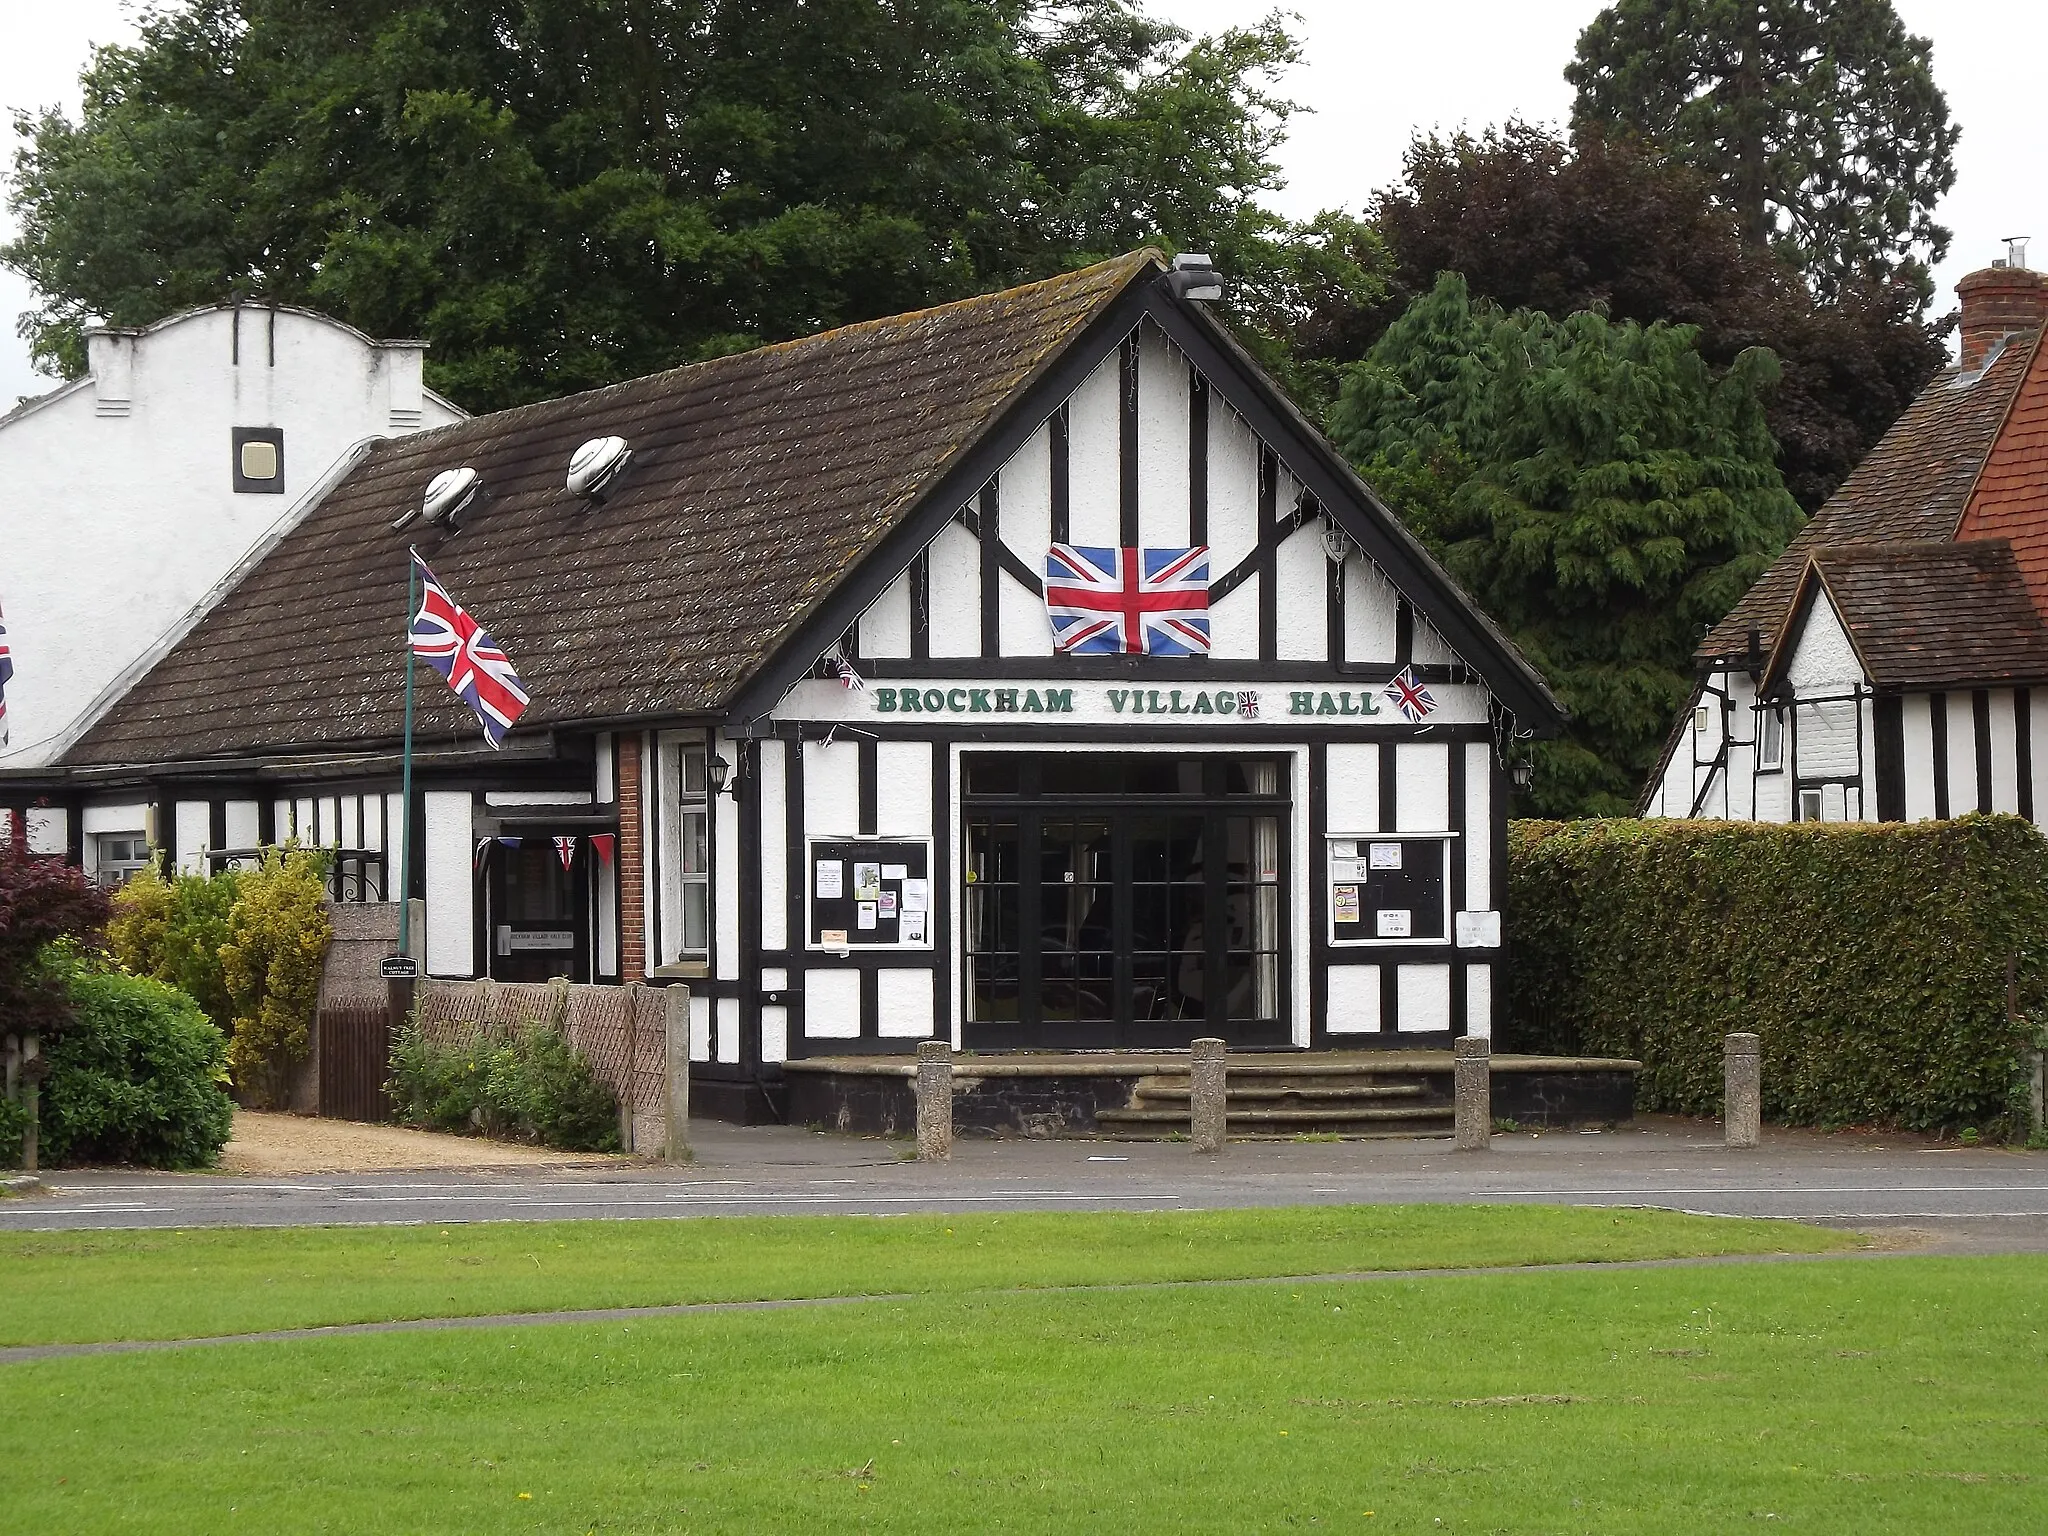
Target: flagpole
[412, 594]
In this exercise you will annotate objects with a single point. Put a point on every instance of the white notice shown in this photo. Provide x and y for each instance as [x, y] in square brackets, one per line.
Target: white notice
[1393, 923]
[867, 881]
[1479, 930]
[1343, 848]
[916, 895]
[912, 929]
[895, 871]
[833, 938]
[864, 914]
[1385, 856]
[887, 904]
[1344, 904]
[830, 872]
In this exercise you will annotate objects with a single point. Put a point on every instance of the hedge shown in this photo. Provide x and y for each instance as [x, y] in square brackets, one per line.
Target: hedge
[1871, 959]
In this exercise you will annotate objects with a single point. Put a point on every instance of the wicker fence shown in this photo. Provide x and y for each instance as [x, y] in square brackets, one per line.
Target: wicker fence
[621, 1031]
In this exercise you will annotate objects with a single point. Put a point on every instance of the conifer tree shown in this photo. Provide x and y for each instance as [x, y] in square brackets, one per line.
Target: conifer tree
[1819, 119]
[1598, 489]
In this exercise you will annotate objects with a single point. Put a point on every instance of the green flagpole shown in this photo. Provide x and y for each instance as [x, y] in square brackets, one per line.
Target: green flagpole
[412, 596]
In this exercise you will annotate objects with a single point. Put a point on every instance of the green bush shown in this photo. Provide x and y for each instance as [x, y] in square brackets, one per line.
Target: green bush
[1871, 959]
[278, 931]
[173, 930]
[526, 1084]
[140, 1077]
[13, 1126]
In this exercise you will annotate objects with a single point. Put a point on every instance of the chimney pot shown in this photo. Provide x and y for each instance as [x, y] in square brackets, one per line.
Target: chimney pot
[1998, 301]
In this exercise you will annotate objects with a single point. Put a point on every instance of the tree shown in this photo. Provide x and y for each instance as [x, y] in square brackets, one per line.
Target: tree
[42, 900]
[1534, 220]
[1819, 121]
[278, 932]
[563, 193]
[1599, 490]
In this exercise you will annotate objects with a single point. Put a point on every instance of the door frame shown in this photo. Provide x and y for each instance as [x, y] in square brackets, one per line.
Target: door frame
[1289, 802]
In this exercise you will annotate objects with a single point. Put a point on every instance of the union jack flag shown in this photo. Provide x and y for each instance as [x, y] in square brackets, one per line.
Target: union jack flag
[469, 661]
[6, 671]
[1151, 602]
[1407, 694]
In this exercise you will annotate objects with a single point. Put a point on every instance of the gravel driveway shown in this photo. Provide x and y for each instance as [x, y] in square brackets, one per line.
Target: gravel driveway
[282, 1144]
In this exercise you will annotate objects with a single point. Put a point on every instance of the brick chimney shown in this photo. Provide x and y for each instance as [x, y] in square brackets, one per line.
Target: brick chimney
[1997, 301]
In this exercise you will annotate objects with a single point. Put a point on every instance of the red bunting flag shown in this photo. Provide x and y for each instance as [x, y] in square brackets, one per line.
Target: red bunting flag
[603, 842]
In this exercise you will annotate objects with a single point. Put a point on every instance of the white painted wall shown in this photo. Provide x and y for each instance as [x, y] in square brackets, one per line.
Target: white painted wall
[953, 581]
[1916, 713]
[117, 492]
[1478, 850]
[451, 883]
[1422, 787]
[903, 1001]
[832, 1004]
[1962, 752]
[1422, 998]
[1352, 791]
[1301, 576]
[1093, 431]
[774, 848]
[1354, 1000]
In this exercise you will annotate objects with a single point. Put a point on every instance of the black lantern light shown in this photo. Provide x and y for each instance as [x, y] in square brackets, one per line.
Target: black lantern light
[716, 770]
[1522, 773]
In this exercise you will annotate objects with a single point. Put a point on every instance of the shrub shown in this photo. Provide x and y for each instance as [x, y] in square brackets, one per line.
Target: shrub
[173, 930]
[139, 1078]
[1871, 959]
[525, 1084]
[278, 931]
[42, 899]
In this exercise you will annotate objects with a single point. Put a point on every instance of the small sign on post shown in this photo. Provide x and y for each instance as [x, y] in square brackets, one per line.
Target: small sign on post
[399, 968]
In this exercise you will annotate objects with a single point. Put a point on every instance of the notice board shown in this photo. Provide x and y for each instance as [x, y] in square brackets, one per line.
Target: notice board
[869, 892]
[1385, 888]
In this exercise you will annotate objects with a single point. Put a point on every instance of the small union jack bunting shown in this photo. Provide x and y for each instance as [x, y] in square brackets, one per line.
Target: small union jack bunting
[1408, 694]
[565, 850]
[451, 642]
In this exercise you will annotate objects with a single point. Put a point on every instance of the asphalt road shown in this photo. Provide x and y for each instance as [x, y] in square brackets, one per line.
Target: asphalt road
[1955, 1199]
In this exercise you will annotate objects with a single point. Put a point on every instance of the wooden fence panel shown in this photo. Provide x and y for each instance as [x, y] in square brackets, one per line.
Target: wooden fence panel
[355, 1060]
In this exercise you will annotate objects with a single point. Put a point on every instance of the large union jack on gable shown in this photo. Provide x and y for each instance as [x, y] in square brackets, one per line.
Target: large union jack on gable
[1152, 602]
[451, 642]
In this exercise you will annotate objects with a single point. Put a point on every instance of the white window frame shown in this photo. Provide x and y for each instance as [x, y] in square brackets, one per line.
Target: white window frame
[1770, 752]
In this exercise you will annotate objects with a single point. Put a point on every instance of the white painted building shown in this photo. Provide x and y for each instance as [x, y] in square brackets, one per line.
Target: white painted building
[992, 840]
[1893, 664]
[129, 497]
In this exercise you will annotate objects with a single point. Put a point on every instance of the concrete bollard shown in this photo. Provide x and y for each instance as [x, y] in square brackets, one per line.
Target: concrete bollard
[1208, 1126]
[1472, 1090]
[675, 1021]
[1742, 1101]
[934, 1101]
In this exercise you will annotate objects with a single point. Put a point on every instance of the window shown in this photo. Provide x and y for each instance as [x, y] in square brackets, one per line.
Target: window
[121, 856]
[693, 825]
[259, 460]
[1809, 805]
[1770, 737]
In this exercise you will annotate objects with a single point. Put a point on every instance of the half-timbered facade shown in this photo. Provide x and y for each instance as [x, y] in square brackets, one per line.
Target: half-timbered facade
[1893, 664]
[801, 732]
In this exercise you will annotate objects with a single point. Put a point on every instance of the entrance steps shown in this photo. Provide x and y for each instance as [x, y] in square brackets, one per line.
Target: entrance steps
[1356, 1099]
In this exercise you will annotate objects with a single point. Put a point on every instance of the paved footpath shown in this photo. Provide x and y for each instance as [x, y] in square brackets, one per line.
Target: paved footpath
[1957, 1199]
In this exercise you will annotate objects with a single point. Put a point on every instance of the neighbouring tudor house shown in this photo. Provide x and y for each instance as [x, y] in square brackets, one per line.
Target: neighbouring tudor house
[800, 732]
[1892, 665]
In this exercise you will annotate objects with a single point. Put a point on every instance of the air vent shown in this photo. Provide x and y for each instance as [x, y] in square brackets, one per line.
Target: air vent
[449, 494]
[597, 467]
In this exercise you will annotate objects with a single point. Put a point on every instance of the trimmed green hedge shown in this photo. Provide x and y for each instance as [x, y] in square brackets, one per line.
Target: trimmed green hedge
[1871, 959]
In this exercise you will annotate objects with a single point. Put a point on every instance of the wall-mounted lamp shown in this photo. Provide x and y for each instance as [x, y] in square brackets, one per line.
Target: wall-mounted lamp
[1522, 773]
[716, 771]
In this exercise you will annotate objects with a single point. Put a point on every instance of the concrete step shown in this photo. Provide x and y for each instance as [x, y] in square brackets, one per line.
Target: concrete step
[1234, 1116]
[1419, 1133]
[1331, 1092]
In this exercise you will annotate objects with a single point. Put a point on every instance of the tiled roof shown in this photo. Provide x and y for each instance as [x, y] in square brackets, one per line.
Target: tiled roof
[1935, 613]
[1914, 485]
[758, 482]
[2010, 500]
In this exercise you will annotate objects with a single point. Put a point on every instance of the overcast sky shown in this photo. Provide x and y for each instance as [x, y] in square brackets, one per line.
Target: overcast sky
[1374, 73]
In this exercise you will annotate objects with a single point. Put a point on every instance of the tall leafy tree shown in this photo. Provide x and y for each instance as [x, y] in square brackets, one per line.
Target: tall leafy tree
[561, 193]
[1598, 488]
[1536, 220]
[1819, 121]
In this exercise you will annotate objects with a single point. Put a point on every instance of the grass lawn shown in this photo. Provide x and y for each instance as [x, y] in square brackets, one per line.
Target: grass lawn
[80, 1286]
[1897, 1395]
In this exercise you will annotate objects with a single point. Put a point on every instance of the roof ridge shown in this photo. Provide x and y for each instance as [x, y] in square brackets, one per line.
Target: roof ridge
[517, 415]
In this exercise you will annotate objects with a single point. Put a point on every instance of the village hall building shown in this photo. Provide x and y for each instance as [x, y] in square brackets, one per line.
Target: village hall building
[809, 731]
[1892, 665]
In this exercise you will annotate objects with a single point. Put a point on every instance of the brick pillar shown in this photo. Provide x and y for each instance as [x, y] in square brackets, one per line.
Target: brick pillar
[632, 861]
